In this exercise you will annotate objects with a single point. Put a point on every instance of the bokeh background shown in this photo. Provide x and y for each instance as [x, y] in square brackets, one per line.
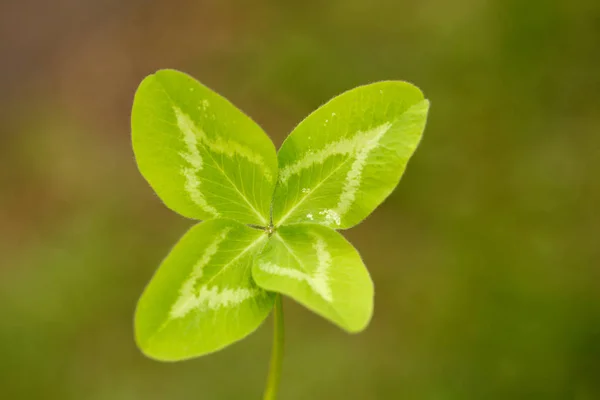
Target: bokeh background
[486, 259]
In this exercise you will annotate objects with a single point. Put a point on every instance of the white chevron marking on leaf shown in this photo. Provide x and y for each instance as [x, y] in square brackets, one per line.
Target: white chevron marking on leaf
[187, 299]
[320, 277]
[229, 148]
[343, 146]
[213, 298]
[191, 186]
[194, 159]
[354, 176]
[318, 280]
[211, 250]
[274, 269]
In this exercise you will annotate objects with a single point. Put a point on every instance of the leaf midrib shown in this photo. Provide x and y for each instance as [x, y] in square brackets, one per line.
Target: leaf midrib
[295, 206]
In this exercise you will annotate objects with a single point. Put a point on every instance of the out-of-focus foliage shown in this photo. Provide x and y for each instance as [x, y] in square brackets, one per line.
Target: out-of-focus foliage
[486, 258]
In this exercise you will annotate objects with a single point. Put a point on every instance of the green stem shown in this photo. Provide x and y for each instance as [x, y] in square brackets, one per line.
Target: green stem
[276, 352]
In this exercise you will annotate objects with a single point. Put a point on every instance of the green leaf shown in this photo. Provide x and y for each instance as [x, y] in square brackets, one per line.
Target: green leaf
[203, 298]
[345, 158]
[318, 268]
[202, 156]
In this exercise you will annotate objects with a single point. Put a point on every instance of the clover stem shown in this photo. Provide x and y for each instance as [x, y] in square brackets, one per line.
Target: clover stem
[276, 352]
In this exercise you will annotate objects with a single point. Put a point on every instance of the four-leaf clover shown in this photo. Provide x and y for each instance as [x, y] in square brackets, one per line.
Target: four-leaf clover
[270, 218]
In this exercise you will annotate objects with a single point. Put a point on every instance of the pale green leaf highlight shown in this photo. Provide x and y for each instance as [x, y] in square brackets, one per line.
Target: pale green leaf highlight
[228, 148]
[194, 160]
[317, 267]
[203, 157]
[203, 297]
[343, 146]
[344, 159]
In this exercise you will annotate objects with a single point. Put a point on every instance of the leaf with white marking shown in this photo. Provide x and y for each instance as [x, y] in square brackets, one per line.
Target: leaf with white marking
[202, 156]
[203, 298]
[317, 267]
[346, 157]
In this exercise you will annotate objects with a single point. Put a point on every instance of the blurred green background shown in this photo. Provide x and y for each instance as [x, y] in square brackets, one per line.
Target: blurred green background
[486, 259]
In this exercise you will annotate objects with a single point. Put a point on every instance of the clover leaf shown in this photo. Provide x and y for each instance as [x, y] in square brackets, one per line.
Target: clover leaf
[203, 296]
[202, 156]
[318, 268]
[269, 218]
